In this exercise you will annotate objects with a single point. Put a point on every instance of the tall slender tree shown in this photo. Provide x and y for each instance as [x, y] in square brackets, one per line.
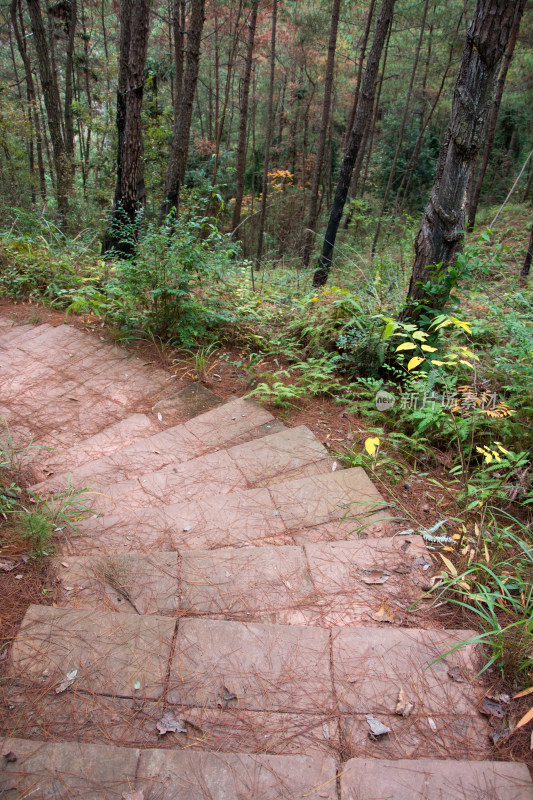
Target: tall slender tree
[491, 132]
[270, 127]
[442, 231]
[243, 116]
[179, 147]
[324, 125]
[362, 119]
[129, 189]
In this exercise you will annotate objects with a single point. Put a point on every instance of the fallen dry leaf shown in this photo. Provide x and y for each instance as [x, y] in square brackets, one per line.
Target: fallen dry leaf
[377, 728]
[383, 614]
[403, 706]
[169, 724]
[7, 566]
[67, 681]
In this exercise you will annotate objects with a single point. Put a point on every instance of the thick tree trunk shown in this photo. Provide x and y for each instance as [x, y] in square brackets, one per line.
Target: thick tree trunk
[243, 118]
[321, 146]
[270, 124]
[360, 66]
[441, 234]
[129, 191]
[178, 24]
[524, 274]
[401, 130]
[489, 141]
[69, 66]
[182, 123]
[62, 165]
[362, 119]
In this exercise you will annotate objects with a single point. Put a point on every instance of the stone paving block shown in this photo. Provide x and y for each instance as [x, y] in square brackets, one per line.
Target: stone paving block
[191, 401]
[321, 467]
[353, 579]
[141, 529]
[243, 582]
[124, 582]
[224, 520]
[24, 379]
[227, 422]
[111, 652]
[41, 345]
[66, 771]
[429, 779]
[418, 735]
[19, 333]
[251, 666]
[186, 775]
[235, 730]
[119, 434]
[310, 501]
[372, 665]
[279, 453]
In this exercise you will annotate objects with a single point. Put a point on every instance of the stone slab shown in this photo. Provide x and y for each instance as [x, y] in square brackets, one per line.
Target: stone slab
[123, 582]
[241, 583]
[429, 779]
[66, 771]
[372, 665]
[323, 498]
[111, 652]
[228, 421]
[189, 402]
[252, 666]
[142, 529]
[186, 775]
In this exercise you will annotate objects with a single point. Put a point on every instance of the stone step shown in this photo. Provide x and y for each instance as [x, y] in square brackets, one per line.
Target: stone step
[333, 506]
[233, 685]
[112, 438]
[329, 584]
[255, 463]
[74, 771]
[209, 431]
[71, 771]
[11, 334]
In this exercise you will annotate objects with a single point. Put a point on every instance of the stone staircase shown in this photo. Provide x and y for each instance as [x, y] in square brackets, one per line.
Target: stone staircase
[233, 620]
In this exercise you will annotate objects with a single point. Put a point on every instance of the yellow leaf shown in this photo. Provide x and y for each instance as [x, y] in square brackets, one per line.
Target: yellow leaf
[414, 363]
[428, 349]
[456, 536]
[406, 346]
[371, 445]
[465, 585]
[439, 363]
[466, 363]
[502, 449]
[525, 719]
[449, 564]
[487, 555]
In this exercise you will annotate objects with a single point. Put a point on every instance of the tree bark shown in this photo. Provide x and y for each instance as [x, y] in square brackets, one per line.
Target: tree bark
[362, 55]
[362, 119]
[268, 142]
[243, 118]
[62, 164]
[524, 274]
[440, 237]
[69, 66]
[178, 24]
[476, 192]
[129, 191]
[182, 123]
[321, 146]
[401, 130]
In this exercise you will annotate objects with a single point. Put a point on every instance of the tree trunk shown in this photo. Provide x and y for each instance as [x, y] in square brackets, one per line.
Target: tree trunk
[69, 65]
[321, 146]
[20, 37]
[62, 166]
[476, 192]
[129, 191]
[268, 142]
[524, 274]
[362, 55]
[179, 147]
[441, 234]
[243, 118]
[401, 130]
[178, 23]
[362, 119]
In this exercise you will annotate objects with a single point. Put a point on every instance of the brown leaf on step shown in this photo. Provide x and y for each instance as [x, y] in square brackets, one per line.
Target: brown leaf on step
[10, 757]
[455, 674]
[377, 728]
[225, 697]
[169, 724]
[403, 706]
[67, 681]
[7, 566]
[383, 614]
[491, 709]
[375, 579]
